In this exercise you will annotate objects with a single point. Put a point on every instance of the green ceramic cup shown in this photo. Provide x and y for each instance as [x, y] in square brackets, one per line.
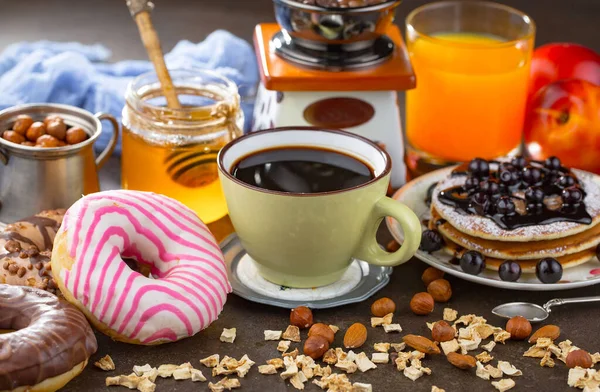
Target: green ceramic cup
[309, 240]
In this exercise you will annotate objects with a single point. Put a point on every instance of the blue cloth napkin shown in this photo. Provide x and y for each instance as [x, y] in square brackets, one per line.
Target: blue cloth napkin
[76, 74]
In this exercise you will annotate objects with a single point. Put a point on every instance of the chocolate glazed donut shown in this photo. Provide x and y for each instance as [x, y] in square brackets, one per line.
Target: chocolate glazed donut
[51, 343]
[25, 249]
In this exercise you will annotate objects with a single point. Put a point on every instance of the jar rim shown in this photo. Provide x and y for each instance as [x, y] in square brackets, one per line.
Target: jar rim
[136, 98]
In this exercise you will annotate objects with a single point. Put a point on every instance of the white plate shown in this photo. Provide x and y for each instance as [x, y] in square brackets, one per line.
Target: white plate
[413, 195]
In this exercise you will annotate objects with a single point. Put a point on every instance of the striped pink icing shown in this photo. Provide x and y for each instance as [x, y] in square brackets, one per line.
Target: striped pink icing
[189, 285]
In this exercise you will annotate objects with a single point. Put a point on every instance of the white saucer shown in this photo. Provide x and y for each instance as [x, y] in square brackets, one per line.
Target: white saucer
[413, 195]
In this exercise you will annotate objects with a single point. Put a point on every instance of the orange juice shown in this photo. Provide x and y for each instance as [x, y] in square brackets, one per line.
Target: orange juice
[470, 96]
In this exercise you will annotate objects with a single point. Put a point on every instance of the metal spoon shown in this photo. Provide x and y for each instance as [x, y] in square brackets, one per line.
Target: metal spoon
[536, 313]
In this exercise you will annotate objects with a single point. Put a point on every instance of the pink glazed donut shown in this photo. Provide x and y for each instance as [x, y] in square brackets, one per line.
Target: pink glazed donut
[188, 285]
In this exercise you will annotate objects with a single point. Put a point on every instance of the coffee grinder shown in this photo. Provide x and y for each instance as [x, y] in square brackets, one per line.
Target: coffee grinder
[335, 68]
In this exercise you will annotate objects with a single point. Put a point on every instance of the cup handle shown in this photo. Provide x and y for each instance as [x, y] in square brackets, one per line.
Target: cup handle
[370, 251]
[112, 143]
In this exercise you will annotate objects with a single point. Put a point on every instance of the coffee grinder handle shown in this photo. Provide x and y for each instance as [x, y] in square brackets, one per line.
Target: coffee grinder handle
[112, 143]
[371, 252]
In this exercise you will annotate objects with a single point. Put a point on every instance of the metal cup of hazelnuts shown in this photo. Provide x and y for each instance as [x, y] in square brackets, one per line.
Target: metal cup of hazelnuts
[47, 159]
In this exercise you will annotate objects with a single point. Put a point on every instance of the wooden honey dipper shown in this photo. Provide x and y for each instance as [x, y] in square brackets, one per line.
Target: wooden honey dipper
[140, 11]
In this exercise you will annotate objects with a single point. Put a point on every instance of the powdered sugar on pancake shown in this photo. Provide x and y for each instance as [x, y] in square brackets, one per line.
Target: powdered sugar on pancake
[483, 227]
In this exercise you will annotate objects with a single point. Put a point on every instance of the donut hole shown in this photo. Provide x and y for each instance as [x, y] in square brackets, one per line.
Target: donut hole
[140, 268]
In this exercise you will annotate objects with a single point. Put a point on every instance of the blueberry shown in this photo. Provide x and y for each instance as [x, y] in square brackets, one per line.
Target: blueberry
[505, 206]
[535, 208]
[472, 262]
[572, 196]
[508, 174]
[479, 167]
[534, 194]
[552, 164]
[519, 162]
[471, 183]
[532, 176]
[490, 186]
[549, 270]
[479, 202]
[565, 181]
[510, 271]
[431, 241]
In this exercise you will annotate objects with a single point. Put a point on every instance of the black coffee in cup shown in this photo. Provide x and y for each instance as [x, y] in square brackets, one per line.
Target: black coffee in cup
[302, 170]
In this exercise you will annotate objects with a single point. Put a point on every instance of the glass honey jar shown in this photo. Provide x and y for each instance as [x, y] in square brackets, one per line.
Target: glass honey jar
[174, 151]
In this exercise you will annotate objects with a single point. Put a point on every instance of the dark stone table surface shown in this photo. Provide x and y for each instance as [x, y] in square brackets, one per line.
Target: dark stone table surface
[107, 21]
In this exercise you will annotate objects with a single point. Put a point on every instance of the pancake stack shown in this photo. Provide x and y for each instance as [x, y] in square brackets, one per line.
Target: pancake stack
[520, 210]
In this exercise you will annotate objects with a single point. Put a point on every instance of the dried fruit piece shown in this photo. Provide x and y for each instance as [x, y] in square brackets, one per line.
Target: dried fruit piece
[519, 328]
[105, 363]
[292, 333]
[579, 358]
[431, 274]
[228, 335]
[320, 329]
[301, 317]
[462, 361]
[440, 290]
[355, 336]
[421, 343]
[450, 314]
[315, 346]
[422, 304]
[504, 385]
[551, 332]
[442, 332]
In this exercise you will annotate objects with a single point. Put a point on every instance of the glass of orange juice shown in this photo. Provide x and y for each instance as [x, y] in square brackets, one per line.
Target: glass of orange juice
[472, 62]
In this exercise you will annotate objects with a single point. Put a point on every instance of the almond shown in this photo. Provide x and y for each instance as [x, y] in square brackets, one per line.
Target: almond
[551, 332]
[355, 336]
[461, 361]
[421, 344]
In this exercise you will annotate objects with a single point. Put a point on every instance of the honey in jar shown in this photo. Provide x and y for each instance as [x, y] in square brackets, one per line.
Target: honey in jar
[174, 151]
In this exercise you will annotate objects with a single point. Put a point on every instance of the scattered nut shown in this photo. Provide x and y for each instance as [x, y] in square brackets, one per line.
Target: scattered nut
[301, 317]
[383, 306]
[461, 361]
[421, 344]
[315, 346]
[431, 274]
[442, 332]
[519, 328]
[105, 363]
[551, 332]
[320, 329]
[228, 335]
[579, 358]
[422, 304]
[355, 336]
[440, 290]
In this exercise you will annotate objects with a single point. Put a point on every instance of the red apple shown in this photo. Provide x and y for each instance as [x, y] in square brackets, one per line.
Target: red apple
[559, 61]
[564, 121]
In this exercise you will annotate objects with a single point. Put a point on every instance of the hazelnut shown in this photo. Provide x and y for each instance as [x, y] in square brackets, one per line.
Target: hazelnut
[316, 346]
[22, 124]
[320, 329]
[440, 290]
[301, 316]
[442, 332]
[76, 135]
[579, 358]
[36, 130]
[431, 274]
[383, 306]
[52, 117]
[47, 141]
[519, 328]
[422, 304]
[57, 128]
[13, 136]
